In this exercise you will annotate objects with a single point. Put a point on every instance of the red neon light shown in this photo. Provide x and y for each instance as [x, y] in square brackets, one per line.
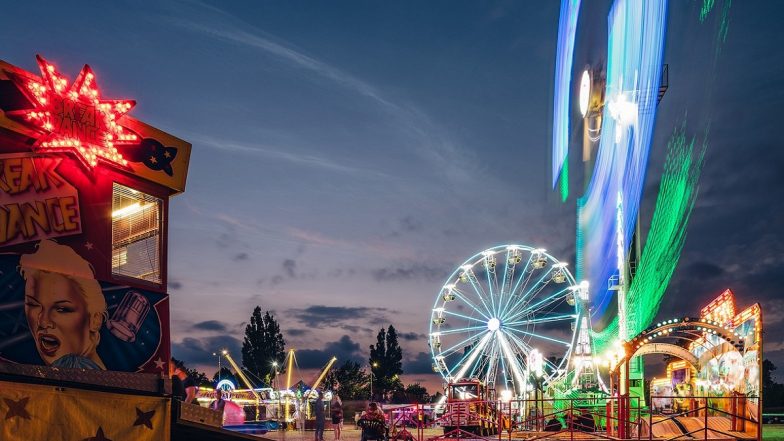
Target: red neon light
[74, 119]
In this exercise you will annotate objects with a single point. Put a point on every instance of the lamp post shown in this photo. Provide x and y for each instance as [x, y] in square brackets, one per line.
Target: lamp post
[215, 354]
[372, 365]
[536, 366]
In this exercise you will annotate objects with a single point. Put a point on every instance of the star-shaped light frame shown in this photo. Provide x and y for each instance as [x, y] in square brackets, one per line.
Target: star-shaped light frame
[74, 118]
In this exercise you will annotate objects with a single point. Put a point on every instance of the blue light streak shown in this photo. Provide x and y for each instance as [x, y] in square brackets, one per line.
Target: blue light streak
[635, 51]
[567, 27]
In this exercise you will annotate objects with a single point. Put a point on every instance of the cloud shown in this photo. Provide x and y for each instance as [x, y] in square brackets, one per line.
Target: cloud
[705, 270]
[297, 332]
[410, 272]
[344, 349]
[290, 267]
[319, 316]
[411, 336]
[422, 363]
[354, 329]
[433, 143]
[195, 351]
[211, 325]
[773, 313]
[268, 44]
[174, 285]
[281, 153]
[410, 224]
[240, 256]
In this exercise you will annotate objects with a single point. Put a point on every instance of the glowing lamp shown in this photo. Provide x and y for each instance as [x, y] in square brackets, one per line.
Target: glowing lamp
[585, 92]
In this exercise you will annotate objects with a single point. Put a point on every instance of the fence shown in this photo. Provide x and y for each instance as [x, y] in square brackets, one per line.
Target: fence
[610, 418]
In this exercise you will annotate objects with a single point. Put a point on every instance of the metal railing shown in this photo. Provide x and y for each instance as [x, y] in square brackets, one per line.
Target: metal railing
[609, 418]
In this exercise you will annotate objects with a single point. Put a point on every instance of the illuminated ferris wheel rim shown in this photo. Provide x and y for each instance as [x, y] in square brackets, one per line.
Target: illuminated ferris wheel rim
[499, 331]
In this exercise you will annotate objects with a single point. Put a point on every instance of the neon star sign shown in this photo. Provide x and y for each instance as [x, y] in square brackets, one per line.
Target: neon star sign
[74, 118]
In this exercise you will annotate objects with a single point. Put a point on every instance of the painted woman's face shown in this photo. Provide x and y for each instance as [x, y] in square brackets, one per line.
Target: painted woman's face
[57, 315]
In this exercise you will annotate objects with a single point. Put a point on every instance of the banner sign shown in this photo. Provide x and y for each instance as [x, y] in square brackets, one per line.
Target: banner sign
[35, 201]
[45, 412]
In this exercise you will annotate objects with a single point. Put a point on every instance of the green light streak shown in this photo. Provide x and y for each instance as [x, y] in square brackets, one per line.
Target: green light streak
[724, 27]
[707, 7]
[563, 182]
[666, 236]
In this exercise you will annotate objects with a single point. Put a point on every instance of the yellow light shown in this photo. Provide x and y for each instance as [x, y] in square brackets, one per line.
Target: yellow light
[130, 210]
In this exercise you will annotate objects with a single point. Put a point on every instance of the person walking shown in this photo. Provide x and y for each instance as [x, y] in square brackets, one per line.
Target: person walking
[336, 410]
[318, 412]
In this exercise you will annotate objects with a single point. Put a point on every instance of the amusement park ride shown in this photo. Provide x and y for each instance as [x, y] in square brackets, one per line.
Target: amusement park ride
[508, 307]
[254, 408]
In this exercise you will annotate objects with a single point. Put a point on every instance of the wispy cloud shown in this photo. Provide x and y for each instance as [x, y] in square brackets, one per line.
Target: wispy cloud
[258, 39]
[430, 141]
[282, 154]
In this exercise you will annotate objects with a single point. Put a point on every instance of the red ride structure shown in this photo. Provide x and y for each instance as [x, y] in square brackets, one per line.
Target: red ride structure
[470, 409]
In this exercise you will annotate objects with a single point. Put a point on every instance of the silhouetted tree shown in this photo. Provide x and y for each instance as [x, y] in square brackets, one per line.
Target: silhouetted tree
[386, 361]
[349, 380]
[416, 393]
[226, 374]
[772, 392]
[263, 345]
[199, 378]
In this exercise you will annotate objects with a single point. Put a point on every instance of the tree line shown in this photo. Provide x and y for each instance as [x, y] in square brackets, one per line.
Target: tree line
[263, 355]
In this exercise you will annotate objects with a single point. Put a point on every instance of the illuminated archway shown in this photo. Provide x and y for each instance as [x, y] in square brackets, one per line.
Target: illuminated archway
[670, 349]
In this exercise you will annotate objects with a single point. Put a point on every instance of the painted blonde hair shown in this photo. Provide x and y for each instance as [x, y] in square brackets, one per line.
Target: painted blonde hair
[53, 258]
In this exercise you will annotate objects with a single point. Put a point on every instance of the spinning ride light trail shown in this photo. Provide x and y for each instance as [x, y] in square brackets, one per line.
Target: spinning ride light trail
[498, 307]
[567, 27]
[635, 50]
[674, 203]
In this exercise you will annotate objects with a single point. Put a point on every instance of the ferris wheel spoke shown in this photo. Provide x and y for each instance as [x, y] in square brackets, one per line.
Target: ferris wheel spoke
[470, 357]
[546, 319]
[480, 292]
[503, 372]
[517, 372]
[459, 330]
[508, 268]
[533, 334]
[528, 348]
[538, 305]
[460, 295]
[523, 275]
[531, 293]
[490, 276]
[451, 350]
[467, 317]
[489, 374]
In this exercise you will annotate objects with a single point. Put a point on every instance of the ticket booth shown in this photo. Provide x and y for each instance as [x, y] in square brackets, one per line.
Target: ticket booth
[84, 211]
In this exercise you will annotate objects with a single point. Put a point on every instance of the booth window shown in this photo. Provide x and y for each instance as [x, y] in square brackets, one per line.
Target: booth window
[136, 234]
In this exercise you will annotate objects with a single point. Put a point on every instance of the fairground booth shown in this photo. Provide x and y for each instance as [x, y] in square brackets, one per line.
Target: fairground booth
[84, 307]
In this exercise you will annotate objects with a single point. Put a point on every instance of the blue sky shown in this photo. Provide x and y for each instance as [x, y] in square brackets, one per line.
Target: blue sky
[348, 155]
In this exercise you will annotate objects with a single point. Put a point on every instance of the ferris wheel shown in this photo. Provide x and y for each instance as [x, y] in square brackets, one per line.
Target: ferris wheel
[507, 315]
